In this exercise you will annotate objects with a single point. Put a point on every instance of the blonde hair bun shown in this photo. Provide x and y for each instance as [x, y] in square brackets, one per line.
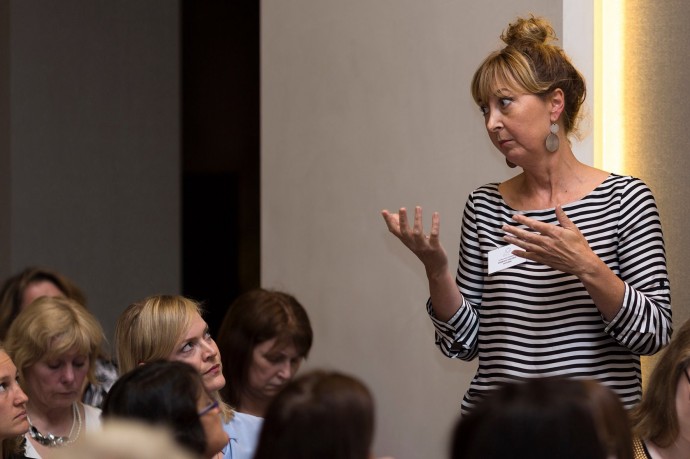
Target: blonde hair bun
[529, 32]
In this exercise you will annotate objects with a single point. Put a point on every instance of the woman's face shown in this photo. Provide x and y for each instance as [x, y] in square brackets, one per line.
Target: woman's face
[38, 289]
[57, 382]
[517, 124]
[272, 367]
[13, 420]
[198, 349]
[216, 438]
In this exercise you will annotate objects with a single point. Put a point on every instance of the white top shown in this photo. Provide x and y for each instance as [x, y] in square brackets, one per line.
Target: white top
[92, 421]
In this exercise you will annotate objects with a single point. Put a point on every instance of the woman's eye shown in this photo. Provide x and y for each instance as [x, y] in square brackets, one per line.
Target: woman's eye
[187, 347]
[207, 335]
[505, 101]
[484, 109]
[3, 387]
[79, 364]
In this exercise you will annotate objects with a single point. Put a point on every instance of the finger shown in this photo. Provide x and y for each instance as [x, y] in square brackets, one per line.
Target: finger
[402, 220]
[391, 222]
[563, 219]
[536, 225]
[418, 223]
[435, 226]
[519, 233]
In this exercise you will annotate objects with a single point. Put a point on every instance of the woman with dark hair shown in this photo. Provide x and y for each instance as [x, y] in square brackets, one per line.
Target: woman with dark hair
[169, 394]
[319, 415]
[264, 338]
[543, 419]
[661, 421]
[31, 283]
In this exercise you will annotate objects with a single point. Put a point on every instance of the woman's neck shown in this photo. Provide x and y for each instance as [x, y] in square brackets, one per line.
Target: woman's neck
[679, 449]
[253, 405]
[548, 187]
[57, 421]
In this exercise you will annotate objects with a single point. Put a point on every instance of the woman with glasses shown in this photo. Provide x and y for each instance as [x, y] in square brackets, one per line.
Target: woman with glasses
[166, 327]
[661, 421]
[170, 394]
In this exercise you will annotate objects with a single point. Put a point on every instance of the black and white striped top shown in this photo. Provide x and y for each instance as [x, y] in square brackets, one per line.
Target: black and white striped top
[530, 320]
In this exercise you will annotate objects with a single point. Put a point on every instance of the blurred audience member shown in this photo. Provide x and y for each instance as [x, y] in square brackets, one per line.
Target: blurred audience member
[170, 394]
[543, 418]
[21, 289]
[319, 415]
[127, 440]
[661, 422]
[54, 343]
[263, 340]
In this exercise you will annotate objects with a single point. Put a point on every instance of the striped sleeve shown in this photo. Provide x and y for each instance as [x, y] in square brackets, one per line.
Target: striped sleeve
[643, 324]
[457, 338]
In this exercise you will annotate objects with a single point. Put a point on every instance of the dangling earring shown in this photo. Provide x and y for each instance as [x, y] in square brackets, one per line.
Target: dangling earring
[552, 141]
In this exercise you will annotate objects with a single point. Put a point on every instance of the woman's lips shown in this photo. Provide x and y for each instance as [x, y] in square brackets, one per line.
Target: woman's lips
[214, 369]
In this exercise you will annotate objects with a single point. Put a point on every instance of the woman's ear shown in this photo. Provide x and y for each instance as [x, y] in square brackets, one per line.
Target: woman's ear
[556, 103]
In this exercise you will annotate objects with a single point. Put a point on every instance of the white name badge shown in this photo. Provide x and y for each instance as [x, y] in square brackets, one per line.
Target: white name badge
[502, 258]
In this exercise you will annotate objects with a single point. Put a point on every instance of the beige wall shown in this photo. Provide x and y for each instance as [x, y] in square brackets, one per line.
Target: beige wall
[365, 106]
[656, 124]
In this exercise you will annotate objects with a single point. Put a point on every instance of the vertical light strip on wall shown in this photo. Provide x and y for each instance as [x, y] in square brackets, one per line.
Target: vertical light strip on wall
[609, 87]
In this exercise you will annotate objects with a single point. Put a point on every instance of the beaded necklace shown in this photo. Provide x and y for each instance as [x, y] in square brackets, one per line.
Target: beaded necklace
[53, 441]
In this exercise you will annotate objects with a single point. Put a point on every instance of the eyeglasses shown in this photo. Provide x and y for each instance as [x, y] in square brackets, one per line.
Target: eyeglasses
[211, 407]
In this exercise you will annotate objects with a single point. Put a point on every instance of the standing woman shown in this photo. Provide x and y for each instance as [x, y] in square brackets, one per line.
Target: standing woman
[583, 291]
[172, 328]
[13, 421]
[264, 338]
[54, 342]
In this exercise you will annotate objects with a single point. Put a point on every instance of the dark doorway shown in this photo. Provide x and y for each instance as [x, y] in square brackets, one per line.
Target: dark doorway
[220, 152]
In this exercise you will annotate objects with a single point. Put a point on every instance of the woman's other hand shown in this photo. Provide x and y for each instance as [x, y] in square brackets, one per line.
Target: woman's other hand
[562, 247]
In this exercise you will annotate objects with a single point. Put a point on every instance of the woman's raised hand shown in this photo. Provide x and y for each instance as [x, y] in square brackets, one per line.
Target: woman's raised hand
[427, 247]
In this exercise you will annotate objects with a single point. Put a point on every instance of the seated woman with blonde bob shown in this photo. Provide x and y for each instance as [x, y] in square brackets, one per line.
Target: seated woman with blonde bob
[172, 328]
[13, 421]
[54, 343]
[20, 290]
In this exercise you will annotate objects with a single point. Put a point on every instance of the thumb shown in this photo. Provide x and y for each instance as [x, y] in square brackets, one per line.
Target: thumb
[563, 219]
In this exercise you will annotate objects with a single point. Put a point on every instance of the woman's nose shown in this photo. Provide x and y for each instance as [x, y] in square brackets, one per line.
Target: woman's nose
[20, 397]
[493, 121]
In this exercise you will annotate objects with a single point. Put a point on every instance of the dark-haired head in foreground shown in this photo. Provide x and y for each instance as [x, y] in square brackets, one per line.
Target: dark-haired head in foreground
[170, 394]
[319, 415]
[544, 418]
